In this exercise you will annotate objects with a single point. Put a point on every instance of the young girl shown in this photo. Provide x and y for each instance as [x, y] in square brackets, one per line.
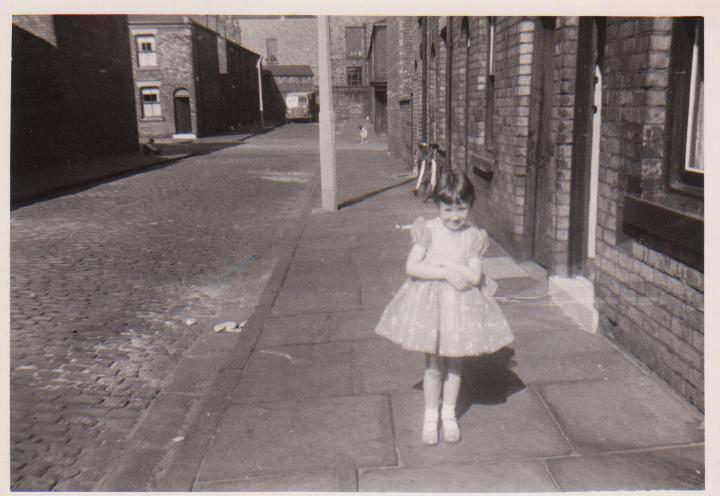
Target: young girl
[440, 310]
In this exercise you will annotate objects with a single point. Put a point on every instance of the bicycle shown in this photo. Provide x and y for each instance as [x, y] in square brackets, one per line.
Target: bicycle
[428, 170]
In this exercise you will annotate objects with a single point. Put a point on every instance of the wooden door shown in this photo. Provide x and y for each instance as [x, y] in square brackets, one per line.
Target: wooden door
[183, 121]
[542, 245]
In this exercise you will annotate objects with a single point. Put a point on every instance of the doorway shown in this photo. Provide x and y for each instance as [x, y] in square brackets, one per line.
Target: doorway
[543, 73]
[183, 118]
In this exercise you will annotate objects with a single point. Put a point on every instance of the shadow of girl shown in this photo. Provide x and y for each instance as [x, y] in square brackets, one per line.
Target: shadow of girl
[488, 380]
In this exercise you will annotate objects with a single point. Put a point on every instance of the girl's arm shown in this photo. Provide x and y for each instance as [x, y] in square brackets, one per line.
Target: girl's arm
[417, 267]
[472, 271]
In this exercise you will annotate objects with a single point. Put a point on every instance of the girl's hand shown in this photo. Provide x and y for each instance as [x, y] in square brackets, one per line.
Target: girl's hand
[458, 281]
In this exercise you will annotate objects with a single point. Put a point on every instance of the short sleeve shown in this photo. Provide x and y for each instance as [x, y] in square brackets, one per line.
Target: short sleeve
[420, 233]
[478, 244]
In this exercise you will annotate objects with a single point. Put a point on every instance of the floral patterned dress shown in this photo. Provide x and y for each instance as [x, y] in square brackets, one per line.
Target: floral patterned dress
[433, 317]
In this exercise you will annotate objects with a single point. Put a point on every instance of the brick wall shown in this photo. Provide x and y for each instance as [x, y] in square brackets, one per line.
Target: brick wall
[562, 116]
[501, 200]
[650, 303]
[401, 56]
[351, 102]
[72, 96]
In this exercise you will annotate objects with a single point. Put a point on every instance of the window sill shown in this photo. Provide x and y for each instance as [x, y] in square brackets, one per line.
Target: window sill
[483, 164]
[152, 119]
[668, 222]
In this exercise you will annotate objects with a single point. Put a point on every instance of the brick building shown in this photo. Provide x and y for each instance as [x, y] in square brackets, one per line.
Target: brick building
[292, 41]
[190, 78]
[72, 97]
[583, 137]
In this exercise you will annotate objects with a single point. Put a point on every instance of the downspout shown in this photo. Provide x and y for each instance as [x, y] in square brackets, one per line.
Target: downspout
[448, 92]
[258, 65]
[424, 104]
[467, 94]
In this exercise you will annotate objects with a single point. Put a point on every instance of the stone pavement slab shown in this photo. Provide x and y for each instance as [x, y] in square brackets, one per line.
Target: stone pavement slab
[594, 366]
[502, 268]
[667, 469]
[296, 371]
[511, 476]
[307, 435]
[295, 329]
[381, 366]
[519, 428]
[621, 414]
[293, 301]
[330, 480]
[537, 316]
[354, 325]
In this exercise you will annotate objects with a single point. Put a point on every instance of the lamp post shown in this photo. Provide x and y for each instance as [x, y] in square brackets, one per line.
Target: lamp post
[328, 182]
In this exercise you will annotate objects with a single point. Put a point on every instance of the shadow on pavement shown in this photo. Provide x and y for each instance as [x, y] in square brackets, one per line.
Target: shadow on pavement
[358, 199]
[486, 380]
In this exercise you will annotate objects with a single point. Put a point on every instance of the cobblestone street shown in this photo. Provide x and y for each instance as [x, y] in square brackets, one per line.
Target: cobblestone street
[111, 285]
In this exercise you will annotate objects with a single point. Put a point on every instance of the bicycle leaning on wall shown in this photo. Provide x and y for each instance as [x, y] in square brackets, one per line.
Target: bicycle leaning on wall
[428, 170]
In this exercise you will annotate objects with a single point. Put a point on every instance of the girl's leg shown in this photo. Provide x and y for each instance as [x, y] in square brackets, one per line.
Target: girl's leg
[432, 386]
[451, 390]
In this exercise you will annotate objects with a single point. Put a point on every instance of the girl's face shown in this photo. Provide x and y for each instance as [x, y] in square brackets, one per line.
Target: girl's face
[454, 216]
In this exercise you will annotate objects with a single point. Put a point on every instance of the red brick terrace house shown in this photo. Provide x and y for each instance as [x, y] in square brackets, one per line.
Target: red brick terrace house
[191, 79]
[584, 138]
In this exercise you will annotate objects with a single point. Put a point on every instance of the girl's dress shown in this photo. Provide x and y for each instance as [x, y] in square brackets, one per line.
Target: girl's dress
[432, 316]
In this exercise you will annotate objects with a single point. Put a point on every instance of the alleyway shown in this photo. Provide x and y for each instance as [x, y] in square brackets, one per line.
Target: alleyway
[106, 368]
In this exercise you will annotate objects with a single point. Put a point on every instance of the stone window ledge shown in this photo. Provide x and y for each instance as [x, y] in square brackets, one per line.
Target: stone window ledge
[152, 119]
[483, 164]
[670, 223]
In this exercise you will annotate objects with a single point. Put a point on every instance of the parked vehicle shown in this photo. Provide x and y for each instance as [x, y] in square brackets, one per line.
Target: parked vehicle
[300, 105]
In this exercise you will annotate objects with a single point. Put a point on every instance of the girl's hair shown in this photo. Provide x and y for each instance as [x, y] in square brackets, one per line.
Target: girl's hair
[454, 188]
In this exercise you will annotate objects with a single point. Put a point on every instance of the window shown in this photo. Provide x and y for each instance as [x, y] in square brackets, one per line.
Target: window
[150, 98]
[687, 166]
[353, 41]
[146, 54]
[271, 46]
[354, 76]
[669, 216]
[490, 85]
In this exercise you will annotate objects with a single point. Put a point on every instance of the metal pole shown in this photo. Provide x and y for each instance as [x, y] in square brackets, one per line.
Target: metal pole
[260, 93]
[328, 181]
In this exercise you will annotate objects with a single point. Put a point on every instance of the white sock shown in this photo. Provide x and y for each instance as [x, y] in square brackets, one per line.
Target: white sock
[448, 411]
[431, 415]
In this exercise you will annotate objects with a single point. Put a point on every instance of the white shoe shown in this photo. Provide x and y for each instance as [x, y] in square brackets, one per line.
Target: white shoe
[451, 430]
[430, 433]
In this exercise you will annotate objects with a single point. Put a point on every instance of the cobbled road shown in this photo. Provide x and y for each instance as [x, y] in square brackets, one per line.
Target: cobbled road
[104, 280]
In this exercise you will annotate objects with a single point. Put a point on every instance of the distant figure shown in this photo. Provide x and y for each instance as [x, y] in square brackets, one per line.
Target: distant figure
[150, 148]
[363, 134]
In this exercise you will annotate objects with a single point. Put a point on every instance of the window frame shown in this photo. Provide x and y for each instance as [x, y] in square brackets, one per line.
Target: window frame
[271, 58]
[490, 85]
[361, 48]
[350, 77]
[146, 58]
[157, 105]
[687, 53]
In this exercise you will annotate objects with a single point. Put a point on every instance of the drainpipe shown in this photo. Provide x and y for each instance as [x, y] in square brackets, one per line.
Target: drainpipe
[448, 92]
[260, 93]
[424, 102]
